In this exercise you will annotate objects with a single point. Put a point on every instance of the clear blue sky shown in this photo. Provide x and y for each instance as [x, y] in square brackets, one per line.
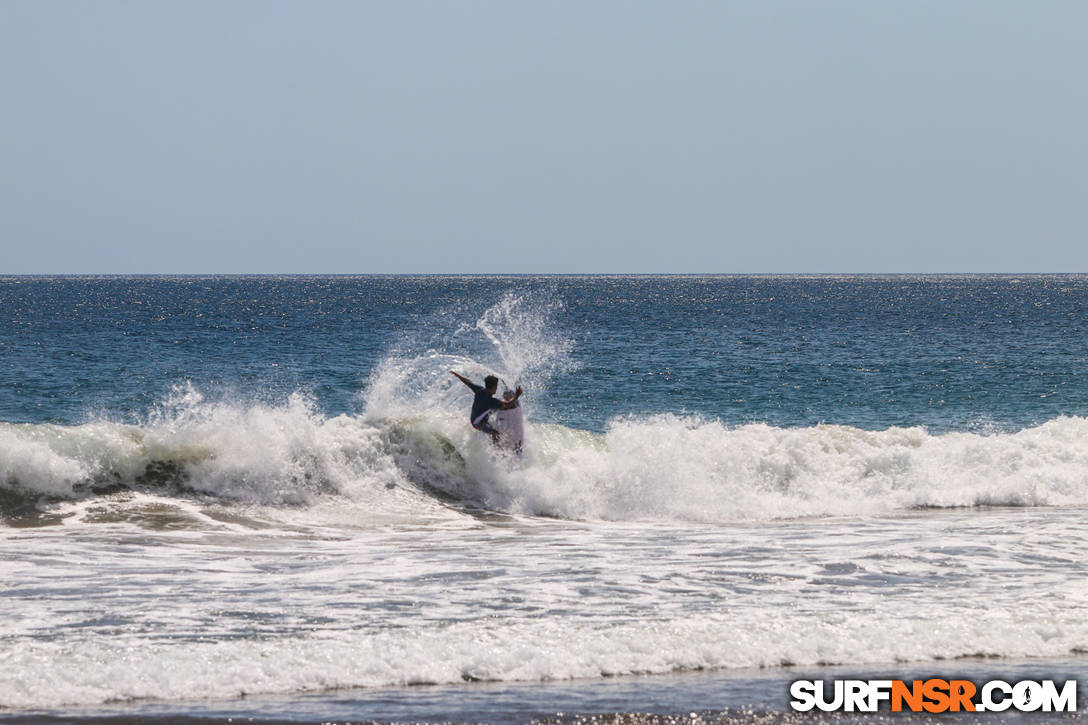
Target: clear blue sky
[391, 137]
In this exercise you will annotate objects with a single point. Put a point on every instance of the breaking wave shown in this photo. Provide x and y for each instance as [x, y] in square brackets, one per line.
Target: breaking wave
[411, 453]
[641, 468]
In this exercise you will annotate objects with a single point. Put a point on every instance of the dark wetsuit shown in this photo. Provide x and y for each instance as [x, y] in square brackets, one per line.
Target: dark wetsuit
[482, 404]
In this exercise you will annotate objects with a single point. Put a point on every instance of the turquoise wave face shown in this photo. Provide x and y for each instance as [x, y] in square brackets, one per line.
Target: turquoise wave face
[949, 353]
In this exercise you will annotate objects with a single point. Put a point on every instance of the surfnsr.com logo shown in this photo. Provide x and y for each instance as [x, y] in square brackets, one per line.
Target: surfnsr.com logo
[933, 695]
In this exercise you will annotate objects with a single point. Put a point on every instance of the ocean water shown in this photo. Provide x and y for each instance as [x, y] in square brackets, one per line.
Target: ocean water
[260, 496]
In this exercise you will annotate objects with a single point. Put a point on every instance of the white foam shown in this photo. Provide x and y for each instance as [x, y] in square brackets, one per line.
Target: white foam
[275, 455]
[656, 468]
[668, 467]
[51, 674]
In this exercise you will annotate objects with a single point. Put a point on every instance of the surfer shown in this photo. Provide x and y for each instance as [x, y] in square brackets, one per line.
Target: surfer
[485, 402]
[509, 423]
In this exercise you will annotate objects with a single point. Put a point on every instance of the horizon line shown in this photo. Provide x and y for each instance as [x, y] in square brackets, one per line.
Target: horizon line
[5, 275]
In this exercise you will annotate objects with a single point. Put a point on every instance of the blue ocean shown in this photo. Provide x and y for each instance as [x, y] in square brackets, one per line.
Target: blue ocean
[261, 497]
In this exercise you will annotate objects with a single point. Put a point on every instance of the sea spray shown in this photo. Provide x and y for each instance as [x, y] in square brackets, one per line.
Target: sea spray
[525, 338]
[516, 339]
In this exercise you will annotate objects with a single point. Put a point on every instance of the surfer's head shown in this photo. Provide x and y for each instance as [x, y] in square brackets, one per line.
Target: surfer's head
[491, 384]
[507, 394]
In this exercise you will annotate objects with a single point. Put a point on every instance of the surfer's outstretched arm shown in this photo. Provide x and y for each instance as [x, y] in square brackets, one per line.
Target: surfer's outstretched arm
[462, 378]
